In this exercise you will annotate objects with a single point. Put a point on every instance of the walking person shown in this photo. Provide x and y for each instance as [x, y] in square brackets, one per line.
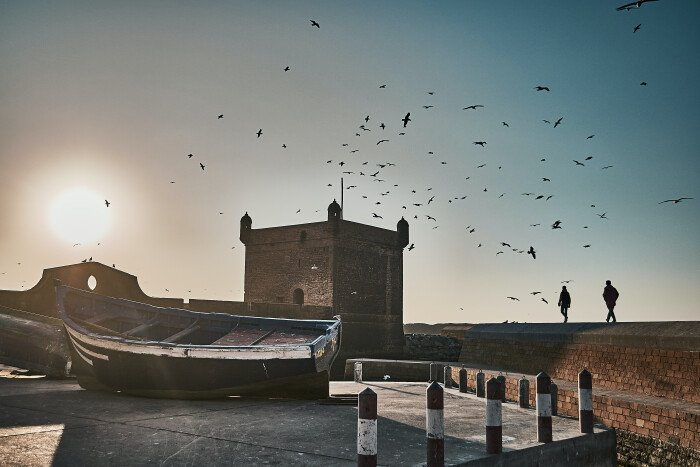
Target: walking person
[564, 302]
[610, 295]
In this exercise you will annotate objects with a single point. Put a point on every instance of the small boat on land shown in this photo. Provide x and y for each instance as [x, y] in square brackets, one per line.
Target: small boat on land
[145, 350]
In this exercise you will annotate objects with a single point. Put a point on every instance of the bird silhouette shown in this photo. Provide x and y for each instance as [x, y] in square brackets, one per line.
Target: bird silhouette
[606, 167]
[411, 247]
[286, 68]
[382, 126]
[643, 83]
[586, 246]
[558, 122]
[636, 28]
[602, 216]
[506, 244]
[588, 158]
[259, 133]
[202, 165]
[534, 293]
[406, 119]
[367, 119]
[298, 211]
[578, 163]
[505, 124]
[480, 143]
[545, 179]
[220, 116]
[473, 107]
[428, 106]
[514, 298]
[532, 252]
[107, 203]
[315, 23]
[541, 298]
[374, 214]
[541, 88]
[190, 155]
[556, 225]
[674, 201]
[636, 4]
[590, 136]
[382, 86]
[382, 141]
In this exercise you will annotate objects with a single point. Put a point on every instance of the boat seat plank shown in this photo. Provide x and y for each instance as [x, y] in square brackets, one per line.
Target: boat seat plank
[256, 336]
[182, 333]
[240, 336]
[96, 319]
[142, 327]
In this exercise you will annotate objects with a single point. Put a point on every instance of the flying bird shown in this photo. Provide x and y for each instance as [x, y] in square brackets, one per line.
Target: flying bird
[382, 86]
[547, 122]
[367, 119]
[534, 293]
[578, 163]
[406, 119]
[107, 203]
[636, 4]
[643, 83]
[190, 155]
[315, 23]
[382, 141]
[544, 301]
[374, 214]
[259, 133]
[636, 28]
[589, 137]
[286, 68]
[541, 88]
[220, 116]
[514, 298]
[607, 167]
[558, 122]
[545, 179]
[588, 158]
[480, 143]
[505, 124]
[411, 247]
[674, 201]
[556, 225]
[506, 244]
[532, 252]
[202, 165]
[473, 107]
[428, 106]
[586, 246]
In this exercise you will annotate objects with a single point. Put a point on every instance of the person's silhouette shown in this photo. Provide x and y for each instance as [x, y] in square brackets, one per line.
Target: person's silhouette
[564, 302]
[610, 295]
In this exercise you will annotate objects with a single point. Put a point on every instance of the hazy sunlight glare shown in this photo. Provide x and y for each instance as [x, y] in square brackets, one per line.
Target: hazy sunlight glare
[79, 215]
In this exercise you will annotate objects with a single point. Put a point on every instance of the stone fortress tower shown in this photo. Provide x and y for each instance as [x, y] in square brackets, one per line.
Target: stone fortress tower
[356, 269]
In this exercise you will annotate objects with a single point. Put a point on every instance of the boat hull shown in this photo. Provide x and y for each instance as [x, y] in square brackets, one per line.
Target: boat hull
[164, 369]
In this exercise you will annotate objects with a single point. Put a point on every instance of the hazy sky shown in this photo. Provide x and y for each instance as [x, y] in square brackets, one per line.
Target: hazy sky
[113, 96]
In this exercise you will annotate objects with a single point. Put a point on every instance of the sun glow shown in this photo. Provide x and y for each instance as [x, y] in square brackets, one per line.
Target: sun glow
[79, 215]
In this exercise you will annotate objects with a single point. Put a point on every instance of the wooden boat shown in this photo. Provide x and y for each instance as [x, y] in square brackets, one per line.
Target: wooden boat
[145, 350]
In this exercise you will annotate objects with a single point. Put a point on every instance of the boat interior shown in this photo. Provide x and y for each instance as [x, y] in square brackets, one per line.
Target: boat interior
[134, 321]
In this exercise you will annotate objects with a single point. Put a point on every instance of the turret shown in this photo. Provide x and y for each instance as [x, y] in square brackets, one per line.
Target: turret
[246, 225]
[335, 213]
[402, 233]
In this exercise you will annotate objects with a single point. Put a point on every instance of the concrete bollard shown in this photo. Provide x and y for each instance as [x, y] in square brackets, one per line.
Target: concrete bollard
[435, 425]
[434, 367]
[367, 428]
[480, 389]
[494, 416]
[585, 401]
[357, 373]
[463, 380]
[501, 379]
[524, 393]
[447, 373]
[554, 390]
[544, 408]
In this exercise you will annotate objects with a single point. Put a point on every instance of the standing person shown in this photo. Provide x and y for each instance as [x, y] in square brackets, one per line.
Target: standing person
[564, 302]
[610, 295]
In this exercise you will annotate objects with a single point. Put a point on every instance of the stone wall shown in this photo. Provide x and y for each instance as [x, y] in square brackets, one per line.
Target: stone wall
[637, 450]
[658, 359]
[431, 347]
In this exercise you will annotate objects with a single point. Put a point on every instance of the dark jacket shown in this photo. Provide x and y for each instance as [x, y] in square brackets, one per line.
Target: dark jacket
[564, 299]
[610, 295]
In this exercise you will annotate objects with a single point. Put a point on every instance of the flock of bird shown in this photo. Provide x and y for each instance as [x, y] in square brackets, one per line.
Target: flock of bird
[361, 172]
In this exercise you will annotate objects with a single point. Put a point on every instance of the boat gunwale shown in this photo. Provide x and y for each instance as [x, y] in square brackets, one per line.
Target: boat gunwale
[326, 333]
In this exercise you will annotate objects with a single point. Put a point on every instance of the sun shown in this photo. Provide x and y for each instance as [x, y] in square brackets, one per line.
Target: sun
[79, 216]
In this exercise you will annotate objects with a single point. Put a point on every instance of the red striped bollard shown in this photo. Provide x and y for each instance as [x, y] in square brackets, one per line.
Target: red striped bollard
[463, 380]
[524, 393]
[367, 428]
[544, 408]
[435, 425]
[501, 379]
[494, 417]
[480, 389]
[585, 401]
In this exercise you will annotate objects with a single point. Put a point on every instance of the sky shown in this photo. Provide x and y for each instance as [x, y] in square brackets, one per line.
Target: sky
[111, 97]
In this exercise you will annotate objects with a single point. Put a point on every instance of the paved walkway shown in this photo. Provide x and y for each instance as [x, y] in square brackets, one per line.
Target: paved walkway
[50, 422]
